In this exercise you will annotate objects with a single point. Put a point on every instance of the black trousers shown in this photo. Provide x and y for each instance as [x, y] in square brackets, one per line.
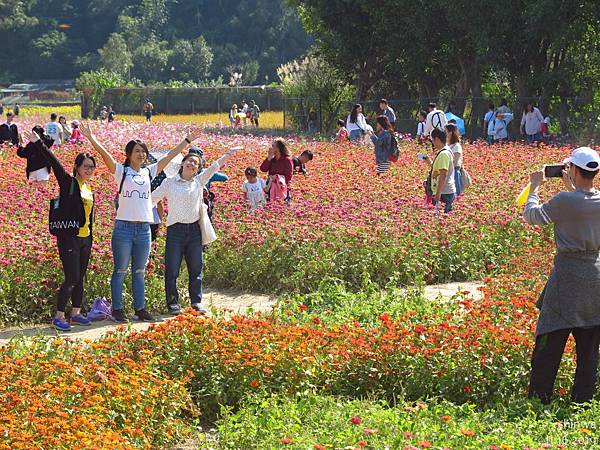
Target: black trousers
[74, 254]
[546, 358]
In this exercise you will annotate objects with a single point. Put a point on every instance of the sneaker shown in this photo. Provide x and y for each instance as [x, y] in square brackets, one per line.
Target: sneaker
[174, 309]
[118, 315]
[198, 307]
[80, 319]
[143, 316]
[61, 324]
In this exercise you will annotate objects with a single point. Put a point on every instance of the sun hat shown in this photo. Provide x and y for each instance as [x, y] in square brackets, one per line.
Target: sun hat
[585, 158]
[196, 150]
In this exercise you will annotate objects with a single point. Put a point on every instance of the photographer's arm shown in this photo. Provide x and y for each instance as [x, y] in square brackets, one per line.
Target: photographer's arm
[534, 213]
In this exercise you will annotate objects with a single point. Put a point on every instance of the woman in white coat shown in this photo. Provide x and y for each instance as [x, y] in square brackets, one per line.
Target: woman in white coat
[188, 226]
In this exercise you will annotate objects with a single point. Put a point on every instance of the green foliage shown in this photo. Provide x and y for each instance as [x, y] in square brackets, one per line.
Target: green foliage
[543, 48]
[95, 83]
[319, 86]
[309, 421]
[257, 36]
[191, 59]
[284, 266]
[115, 57]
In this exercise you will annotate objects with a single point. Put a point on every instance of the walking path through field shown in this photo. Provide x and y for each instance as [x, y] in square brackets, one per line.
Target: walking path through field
[238, 303]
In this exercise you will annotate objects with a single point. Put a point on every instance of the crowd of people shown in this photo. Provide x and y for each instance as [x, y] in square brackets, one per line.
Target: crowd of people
[447, 177]
[239, 117]
[142, 187]
[568, 303]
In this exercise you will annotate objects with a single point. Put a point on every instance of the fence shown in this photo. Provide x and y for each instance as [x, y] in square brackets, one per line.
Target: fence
[571, 117]
[184, 100]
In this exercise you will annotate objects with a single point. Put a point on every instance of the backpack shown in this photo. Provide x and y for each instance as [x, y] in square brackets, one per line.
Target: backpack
[394, 150]
[100, 309]
[437, 115]
[209, 201]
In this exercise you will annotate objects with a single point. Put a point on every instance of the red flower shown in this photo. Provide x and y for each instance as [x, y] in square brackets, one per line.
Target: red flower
[408, 435]
[316, 320]
[425, 444]
[467, 389]
[384, 317]
[369, 431]
[286, 440]
[356, 420]
[319, 447]
[302, 307]
[361, 443]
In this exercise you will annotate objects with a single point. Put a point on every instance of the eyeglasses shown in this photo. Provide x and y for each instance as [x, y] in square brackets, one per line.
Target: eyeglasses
[88, 167]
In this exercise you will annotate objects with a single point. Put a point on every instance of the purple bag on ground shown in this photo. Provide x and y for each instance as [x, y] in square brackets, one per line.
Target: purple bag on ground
[100, 310]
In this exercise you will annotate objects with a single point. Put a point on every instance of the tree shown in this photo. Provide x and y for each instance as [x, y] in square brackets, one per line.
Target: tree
[349, 44]
[115, 57]
[93, 84]
[191, 59]
[315, 86]
[150, 60]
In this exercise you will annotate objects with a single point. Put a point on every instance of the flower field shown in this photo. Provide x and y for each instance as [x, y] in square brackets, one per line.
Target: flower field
[268, 119]
[348, 358]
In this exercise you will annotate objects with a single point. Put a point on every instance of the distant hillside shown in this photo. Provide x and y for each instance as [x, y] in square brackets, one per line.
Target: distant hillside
[188, 40]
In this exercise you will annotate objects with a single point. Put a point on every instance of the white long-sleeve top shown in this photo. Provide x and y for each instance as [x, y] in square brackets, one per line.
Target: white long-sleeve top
[360, 124]
[185, 197]
[533, 121]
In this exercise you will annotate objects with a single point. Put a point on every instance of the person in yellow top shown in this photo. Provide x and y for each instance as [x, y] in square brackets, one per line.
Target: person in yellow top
[442, 171]
[74, 234]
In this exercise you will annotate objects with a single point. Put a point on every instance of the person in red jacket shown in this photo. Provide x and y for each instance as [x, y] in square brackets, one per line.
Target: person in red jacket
[279, 162]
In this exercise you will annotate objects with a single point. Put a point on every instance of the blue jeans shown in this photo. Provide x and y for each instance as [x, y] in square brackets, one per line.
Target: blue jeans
[355, 135]
[447, 200]
[531, 138]
[458, 181]
[130, 242]
[183, 240]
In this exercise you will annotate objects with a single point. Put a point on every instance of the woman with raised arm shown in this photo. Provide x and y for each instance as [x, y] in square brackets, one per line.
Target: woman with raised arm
[74, 245]
[188, 226]
[131, 238]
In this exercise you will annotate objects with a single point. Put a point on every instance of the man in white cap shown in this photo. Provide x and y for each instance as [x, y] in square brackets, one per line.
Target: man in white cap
[570, 302]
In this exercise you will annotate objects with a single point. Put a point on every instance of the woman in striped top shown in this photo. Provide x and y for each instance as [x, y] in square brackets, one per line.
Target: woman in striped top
[382, 138]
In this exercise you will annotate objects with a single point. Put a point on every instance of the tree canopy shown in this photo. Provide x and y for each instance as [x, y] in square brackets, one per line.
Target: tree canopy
[153, 40]
[428, 48]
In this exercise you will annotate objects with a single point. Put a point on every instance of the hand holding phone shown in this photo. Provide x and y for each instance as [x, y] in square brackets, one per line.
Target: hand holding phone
[421, 156]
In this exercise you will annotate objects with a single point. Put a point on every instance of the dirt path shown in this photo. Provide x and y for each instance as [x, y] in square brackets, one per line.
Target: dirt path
[236, 302]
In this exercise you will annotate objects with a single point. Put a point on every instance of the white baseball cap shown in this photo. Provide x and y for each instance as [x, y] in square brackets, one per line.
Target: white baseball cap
[585, 158]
